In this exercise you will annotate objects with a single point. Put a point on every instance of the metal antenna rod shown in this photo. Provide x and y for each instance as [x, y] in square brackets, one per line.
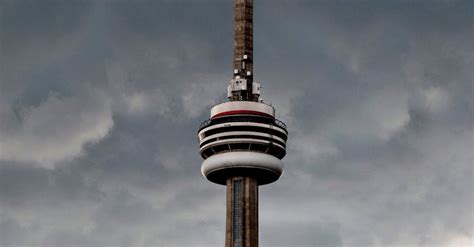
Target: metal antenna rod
[243, 33]
[243, 41]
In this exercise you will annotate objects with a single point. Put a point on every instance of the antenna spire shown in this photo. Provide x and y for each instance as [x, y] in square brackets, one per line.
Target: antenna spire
[243, 34]
[242, 87]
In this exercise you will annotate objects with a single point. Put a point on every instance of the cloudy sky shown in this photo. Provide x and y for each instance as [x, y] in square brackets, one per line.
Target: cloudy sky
[100, 102]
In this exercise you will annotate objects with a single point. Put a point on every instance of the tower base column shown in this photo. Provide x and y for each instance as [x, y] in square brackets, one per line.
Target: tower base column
[242, 212]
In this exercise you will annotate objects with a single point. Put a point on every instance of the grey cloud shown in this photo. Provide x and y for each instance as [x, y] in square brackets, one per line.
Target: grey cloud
[377, 96]
[56, 129]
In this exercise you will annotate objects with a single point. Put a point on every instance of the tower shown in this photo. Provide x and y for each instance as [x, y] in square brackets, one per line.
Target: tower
[242, 143]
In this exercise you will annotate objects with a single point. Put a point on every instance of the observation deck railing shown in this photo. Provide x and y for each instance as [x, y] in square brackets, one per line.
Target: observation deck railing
[275, 121]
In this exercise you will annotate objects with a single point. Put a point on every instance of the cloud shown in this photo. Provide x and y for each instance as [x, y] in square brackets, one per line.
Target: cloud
[199, 96]
[377, 97]
[57, 129]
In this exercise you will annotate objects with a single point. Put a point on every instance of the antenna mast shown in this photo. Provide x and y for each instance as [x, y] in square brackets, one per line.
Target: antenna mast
[242, 87]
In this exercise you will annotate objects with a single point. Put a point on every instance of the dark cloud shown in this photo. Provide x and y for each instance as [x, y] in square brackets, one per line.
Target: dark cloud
[100, 103]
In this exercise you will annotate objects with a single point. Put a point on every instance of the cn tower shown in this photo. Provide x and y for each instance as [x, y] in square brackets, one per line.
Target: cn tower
[242, 143]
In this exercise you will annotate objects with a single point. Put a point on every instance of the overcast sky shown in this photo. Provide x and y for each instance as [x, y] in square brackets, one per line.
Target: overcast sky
[100, 102]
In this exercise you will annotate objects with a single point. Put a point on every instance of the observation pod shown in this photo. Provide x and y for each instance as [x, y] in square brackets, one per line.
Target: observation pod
[242, 138]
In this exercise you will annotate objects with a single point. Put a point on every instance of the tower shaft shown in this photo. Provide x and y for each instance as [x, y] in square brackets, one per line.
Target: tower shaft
[242, 212]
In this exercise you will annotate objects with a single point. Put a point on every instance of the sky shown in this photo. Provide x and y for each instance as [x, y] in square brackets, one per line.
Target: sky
[100, 102]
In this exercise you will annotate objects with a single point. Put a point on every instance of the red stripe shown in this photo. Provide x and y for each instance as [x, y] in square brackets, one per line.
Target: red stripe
[237, 112]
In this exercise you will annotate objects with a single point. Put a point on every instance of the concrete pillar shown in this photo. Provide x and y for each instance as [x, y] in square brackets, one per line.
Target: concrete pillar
[242, 212]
